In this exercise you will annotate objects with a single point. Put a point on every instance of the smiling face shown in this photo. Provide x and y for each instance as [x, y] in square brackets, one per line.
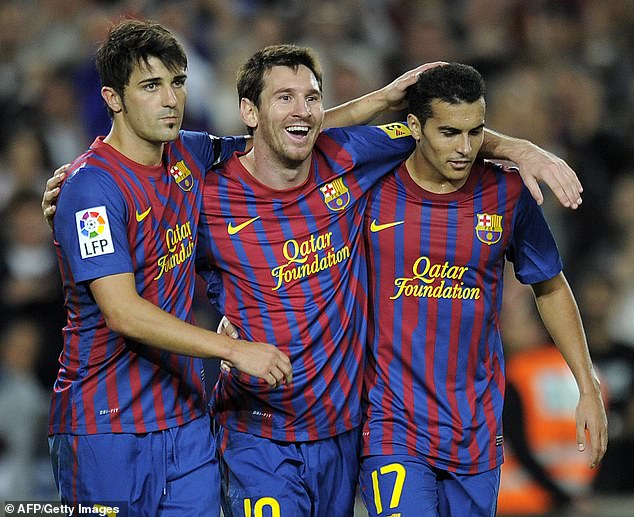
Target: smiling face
[288, 117]
[448, 143]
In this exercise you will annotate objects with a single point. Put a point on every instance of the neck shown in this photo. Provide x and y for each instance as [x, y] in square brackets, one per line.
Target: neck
[136, 149]
[425, 177]
[274, 173]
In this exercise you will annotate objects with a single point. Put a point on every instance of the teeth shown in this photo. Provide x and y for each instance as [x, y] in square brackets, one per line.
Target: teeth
[297, 129]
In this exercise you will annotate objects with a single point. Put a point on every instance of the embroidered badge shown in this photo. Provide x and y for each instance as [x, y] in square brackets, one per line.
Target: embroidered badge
[489, 228]
[336, 195]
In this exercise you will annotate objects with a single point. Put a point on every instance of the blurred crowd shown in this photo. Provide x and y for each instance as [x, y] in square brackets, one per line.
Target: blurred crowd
[558, 72]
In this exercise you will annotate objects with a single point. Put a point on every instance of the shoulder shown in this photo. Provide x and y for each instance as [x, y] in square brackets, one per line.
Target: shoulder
[386, 132]
[85, 173]
[499, 175]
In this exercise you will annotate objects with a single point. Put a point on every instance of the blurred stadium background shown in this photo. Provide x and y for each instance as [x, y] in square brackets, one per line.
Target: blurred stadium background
[559, 72]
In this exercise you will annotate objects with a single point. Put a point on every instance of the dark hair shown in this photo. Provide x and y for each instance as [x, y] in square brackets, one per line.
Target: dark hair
[251, 74]
[452, 83]
[132, 42]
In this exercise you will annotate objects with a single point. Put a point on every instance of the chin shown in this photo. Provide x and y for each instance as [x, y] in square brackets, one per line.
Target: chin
[171, 135]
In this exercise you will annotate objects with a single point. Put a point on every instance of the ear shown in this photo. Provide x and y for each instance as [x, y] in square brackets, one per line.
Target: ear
[112, 98]
[249, 113]
[414, 126]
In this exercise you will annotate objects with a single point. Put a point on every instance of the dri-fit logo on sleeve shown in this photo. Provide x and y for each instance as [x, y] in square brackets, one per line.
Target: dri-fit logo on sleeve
[93, 231]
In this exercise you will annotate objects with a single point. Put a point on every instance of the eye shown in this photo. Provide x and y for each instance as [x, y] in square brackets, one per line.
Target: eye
[151, 86]
[179, 83]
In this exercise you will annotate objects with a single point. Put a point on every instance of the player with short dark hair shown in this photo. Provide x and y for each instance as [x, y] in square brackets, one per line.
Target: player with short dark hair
[282, 224]
[439, 230]
[128, 419]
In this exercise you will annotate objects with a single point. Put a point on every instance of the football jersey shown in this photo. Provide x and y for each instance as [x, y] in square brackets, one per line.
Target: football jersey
[292, 264]
[435, 375]
[117, 216]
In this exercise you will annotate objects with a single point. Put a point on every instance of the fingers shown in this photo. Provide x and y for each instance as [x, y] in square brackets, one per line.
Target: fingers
[599, 443]
[262, 360]
[564, 183]
[426, 66]
[51, 193]
[409, 78]
[282, 370]
[277, 377]
[571, 186]
[533, 188]
[596, 431]
[581, 436]
[226, 328]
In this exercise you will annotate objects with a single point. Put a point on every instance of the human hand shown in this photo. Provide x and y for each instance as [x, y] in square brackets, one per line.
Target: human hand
[49, 198]
[226, 328]
[591, 417]
[537, 164]
[262, 360]
[395, 92]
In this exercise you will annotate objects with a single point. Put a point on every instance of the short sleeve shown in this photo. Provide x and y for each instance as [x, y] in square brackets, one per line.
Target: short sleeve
[90, 225]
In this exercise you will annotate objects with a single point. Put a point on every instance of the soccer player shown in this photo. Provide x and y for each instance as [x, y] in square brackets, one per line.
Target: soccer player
[282, 224]
[128, 422]
[438, 231]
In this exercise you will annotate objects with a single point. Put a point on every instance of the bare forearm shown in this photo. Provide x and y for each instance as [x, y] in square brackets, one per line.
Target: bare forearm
[535, 165]
[559, 313]
[136, 318]
[503, 147]
[142, 321]
[365, 108]
[561, 318]
[356, 112]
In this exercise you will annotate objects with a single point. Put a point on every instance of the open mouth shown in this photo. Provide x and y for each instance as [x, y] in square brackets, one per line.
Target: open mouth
[298, 131]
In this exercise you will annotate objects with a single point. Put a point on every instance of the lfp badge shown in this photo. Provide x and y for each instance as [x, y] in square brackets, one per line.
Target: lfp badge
[93, 232]
[182, 175]
[489, 228]
[336, 195]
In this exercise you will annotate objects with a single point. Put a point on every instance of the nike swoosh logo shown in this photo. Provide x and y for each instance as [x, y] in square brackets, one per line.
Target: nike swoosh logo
[141, 216]
[374, 227]
[232, 230]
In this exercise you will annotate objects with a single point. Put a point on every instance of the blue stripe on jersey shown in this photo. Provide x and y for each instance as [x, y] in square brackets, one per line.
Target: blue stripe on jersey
[320, 316]
[106, 384]
[452, 413]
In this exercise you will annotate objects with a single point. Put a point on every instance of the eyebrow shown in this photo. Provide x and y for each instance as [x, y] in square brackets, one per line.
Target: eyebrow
[452, 128]
[179, 77]
[290, 90]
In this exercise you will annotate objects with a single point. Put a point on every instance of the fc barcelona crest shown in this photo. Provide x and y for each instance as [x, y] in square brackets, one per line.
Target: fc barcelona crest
[489, 228]
[182, 175]
[336, 195]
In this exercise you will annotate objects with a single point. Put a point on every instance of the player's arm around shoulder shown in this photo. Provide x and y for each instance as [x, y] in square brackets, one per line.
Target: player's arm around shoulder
[535, 165]
[391, 97]
[559, 312]
[51, 193]
[129, 314]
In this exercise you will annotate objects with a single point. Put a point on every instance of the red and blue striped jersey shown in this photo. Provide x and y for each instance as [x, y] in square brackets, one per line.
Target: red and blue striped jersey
[116, 216]
[292, 264]
[435, 375]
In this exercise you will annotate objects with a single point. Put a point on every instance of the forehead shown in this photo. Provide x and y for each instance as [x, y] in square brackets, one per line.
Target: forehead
[286, 78]
[462, 115]
[153, 67]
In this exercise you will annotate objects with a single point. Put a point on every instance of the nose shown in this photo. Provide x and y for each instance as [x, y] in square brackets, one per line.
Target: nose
[302, 107]
[464, 145]
[169, 97]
